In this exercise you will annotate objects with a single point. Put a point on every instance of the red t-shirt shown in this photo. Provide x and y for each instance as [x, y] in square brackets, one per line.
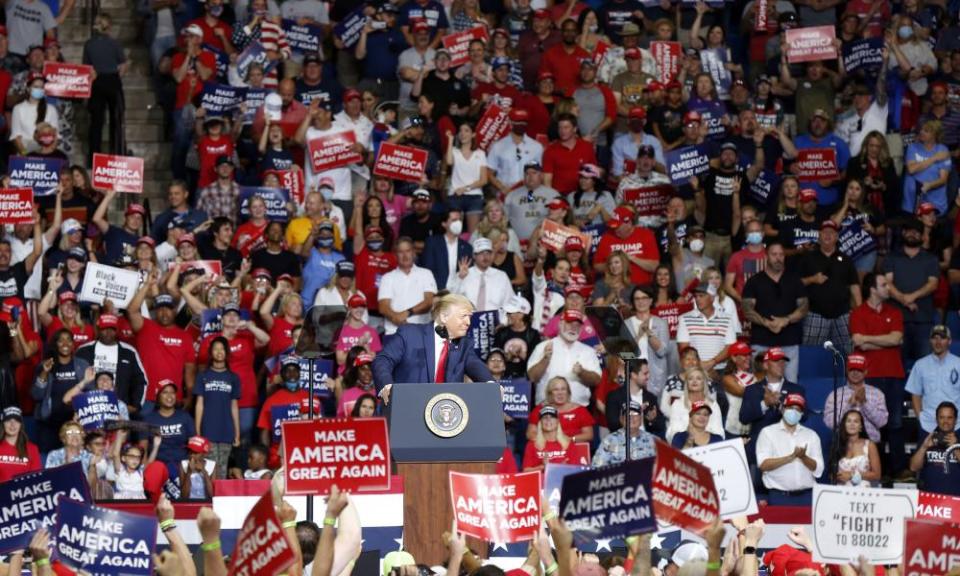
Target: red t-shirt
[743, 264]
[641, 243]
[209, 149]
[279, 398]
[185, 91]
[209, 36]
[885, 362]
[125, 331]
[11, 464]
[565, 67]
[553, 451]
[572, 422]
[370, 269]
[164, 351]
[505, 91]
[25, 371]
[539, 122]
[81, 334]
[564, 163]
[243, 352]
[281, 336]
[249, 237]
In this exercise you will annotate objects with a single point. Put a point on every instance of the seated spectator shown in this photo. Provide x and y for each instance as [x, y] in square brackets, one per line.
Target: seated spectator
[868, 400]
[68, 314]
[696, 433]
[789, 456]
[256, 469]
[933, 471]
[550, 444]
[613, 448]
[28, 114]
[575, 420]
[96, 381]
[197, 473]
[678, 412]
[18, 455]
[855, 460]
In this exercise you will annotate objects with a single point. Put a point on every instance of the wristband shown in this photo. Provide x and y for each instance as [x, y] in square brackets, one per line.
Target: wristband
[41, 562]
[749, 550]
[290, 524]
[551, 568]
[715, 565]
[329, 521]
[167, 523]
[549, 516]
[215, 545]
[168, 528]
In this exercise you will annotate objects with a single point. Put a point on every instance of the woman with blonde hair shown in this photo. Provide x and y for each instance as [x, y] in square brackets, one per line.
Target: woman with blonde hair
[927, 167]
[875, 170]
[509, 262]
[614, 288]
[494, 216]
[71, 436]
[288, 315]
[694, 391]
[68, 311]
[721, 300]
[550, 443]
[575, 420]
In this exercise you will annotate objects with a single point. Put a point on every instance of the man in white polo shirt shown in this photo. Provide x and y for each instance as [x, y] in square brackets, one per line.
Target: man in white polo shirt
[406, 292]
[789, 456]
[564, 355]
[707, 329]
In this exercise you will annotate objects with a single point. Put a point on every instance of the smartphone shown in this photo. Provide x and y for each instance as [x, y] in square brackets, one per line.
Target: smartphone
[378, 25]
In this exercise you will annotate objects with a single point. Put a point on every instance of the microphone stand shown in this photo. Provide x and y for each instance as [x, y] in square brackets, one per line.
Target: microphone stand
[838, 368]
[627, 358]
[311, 358]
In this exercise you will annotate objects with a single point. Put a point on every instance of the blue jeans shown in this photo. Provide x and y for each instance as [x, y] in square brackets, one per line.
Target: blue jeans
[248, 420]
[182, 140]
[159, 46]
[916, 341]
[892, 433]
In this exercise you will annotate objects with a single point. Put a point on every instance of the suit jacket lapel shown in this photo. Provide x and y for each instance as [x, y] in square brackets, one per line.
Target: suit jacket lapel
[427, 336]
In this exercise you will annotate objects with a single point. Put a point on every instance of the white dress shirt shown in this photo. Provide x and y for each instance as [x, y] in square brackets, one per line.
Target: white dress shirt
[406, 290]
[561, 364]
[497, 287]
[775, 441]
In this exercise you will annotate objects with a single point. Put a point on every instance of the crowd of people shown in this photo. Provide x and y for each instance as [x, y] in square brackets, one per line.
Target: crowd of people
[723, 284]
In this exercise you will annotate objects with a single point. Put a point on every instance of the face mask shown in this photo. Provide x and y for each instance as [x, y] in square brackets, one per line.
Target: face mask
[260, 13]
[46, 139]
[696, 245]
[376, 245]
[635, 125]
[216, 11]
[291, 385]
[456, 227]
[792, 417]
[37, 93]
[711, 290]
[754, 238]
[325, 242]
[905, 32]
[592, 28]
[913, 242]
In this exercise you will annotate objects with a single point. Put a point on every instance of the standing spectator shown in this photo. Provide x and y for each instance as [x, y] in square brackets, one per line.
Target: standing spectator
[789, 456]
[108, 354]
[598, 109]
[933, 380]
[379, 49]
[563, 157]
[910, 55]
[216, 245]
[13, 277]
[761, 401]
[406, 292]
[268, 32]
[563, 59]
[422, 222]
[18, 455]
[109, 63]
[937, 475]
[708, 329]
[876, 327]
[372, 261]
[215, 32]
[717, 199]
[913, 275]
[628, 145]
[274, 256]
[442, 253]
[821, 135]
[509, 155]
[468, 174]
[859, 396]
[868, 114]
[29, 22]
[217, 393]
[534, 43]
[526, 205]
[927, 165]
[832, 288]
[414, 58]
[485, 286]
[775, 301]
[178, 211]
[746, 262]
[563, 355]
[317, 123]
[192, 66]
[854, 460]
[119, 241]
[320, 266]
[56, 375]
[639, 244]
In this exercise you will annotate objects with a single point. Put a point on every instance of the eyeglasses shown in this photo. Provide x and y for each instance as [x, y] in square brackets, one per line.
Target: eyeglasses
[518, 154]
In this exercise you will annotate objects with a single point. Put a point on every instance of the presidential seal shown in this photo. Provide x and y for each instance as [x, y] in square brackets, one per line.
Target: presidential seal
[446, 415]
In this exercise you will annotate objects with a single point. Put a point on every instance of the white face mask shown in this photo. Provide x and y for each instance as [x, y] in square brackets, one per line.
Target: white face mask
[455, 227]
[696, 245]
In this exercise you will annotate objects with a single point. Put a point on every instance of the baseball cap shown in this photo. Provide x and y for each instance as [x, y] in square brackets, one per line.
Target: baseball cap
[499, 61]
[740, 349]
[638, 112]
[646, 150]
[532, 166]
[588, 62]
[12, 413]
[325, 225]
[345, 268]
[163, 300]
[67, 296]
[940, 330]
[285, 278]
[636, 407]
[630, 29]
[107, 321]
[621, 215]
[699, 405]
[545, 75]
[655, 86]
[728, 146]
[673, 85]
[519, 115]
[573, 243]
[576, 289]
[572, 316]
[70, 225]
[198, 445]
[312, 58]
[351, 94]
[327, 182]
[289, 360]
[421, 194]
[795, 400]
[230, 307]
[829, 224]
[822, 114]
[808, 195]
[482, 245]
[136, 209]
[548, 411]
[262, 273]
[926, 208]
[541, 14]
[774, 354]
[164, 383]
[77, 253]
[371, 230]
[224, 159]
[148, 241]
[632, 54]
[357, 300]
[187, 238]
[856, 362]
[420, 26]
[692, 117]
[762, 79]
[362, 360]
[193, 30]
[395, 559]
[516, 303]
[558, 204]
[590, 171]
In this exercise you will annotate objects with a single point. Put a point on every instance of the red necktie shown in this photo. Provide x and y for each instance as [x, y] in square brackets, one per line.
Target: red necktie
[442, 364]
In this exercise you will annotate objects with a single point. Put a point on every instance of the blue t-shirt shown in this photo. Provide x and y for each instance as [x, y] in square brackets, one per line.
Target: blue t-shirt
[934, 478]
[680, 438]
[917, 152]
[433, 12]
[274, 159]
[116, 243]
[383, 54]
[175, 431]
[218, 390]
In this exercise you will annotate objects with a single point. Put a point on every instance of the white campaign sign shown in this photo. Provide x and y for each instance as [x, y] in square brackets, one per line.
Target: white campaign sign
[101, 281]
[848, 522]
[731, 475]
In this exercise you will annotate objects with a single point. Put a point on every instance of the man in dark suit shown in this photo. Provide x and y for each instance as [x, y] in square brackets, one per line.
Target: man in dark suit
[439, 248]
[440, 351]
[762, 400]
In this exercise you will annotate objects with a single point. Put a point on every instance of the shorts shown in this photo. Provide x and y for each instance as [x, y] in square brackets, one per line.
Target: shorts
[468, 204]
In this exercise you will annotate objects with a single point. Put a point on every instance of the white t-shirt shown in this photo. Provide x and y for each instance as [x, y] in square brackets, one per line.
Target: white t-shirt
[561, 364]
[405, 291]
[467, 171]
[24, 123]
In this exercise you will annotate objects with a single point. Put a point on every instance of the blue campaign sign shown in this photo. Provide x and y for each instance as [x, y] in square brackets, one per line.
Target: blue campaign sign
[210, 322]
[303, 38]
[482, 326]
[595, 232]
[223, 60]
[854, 240]
[763, 187]
[104, 541]
[276, 199]
[40, 174]
[348, 30]
[29, 502]
[281, 413]
[94, 409]
[220, 99]
[684, 163]
[866, 54]
[322, 371]
[253, 101]
[714, 62]
[252, 54]
[516, 398]
[553, 481]
[609, 502]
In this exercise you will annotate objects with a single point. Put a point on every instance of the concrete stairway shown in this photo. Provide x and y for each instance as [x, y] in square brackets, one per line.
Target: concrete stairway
[143, 119]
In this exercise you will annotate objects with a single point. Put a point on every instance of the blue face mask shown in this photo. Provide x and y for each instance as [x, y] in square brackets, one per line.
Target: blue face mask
[325, 242]
[37, 93]
[216, 11]
[754, 238]
[376, 245]
[792, 417]
[905, 32]
[291, 385]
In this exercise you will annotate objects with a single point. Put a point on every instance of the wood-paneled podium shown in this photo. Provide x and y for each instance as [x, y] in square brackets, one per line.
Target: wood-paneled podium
[436, 428]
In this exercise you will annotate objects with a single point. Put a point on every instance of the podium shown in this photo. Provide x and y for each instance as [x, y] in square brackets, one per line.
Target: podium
[436, 428]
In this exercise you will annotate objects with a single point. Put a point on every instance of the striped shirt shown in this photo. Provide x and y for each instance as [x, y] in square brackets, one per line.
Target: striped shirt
[271, 37]
[708, 335]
